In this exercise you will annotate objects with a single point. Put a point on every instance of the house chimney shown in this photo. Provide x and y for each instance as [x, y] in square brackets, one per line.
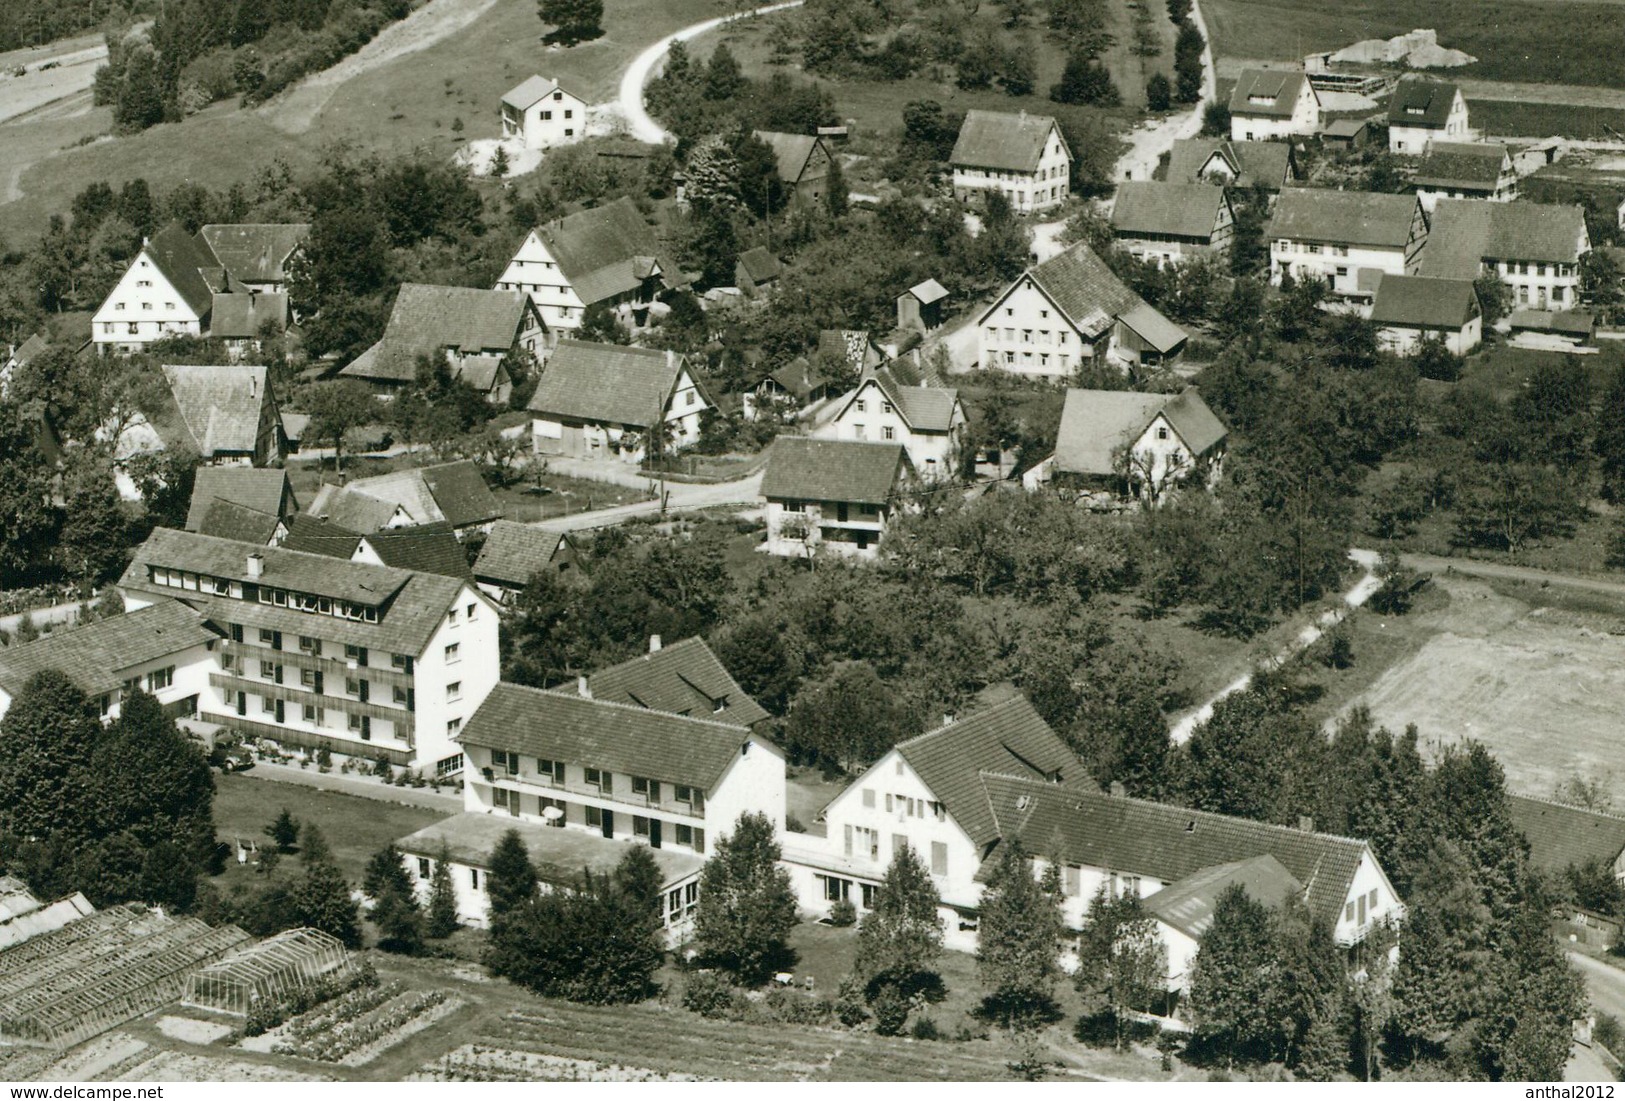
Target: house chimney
[581, 688]
[1306, 823]
[654, 644]
[256, 565]
[1118, 790]
[947, 718]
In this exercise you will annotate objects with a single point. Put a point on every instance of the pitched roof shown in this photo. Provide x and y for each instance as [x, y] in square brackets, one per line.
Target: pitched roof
[28, 349]
[1165, 841]
[1084, 288]
[1416, 301]
[426, 548]
[618, 737]
[515, 552]
[1002, 141]
[1344, 217]
[684, 678]
[1461, 164]
[1561, 835]
[1188, 904]
[183, 260]
[349, 509]
[929, 291]
[791, 151]
[856, 471]
[219, 406]
[1251, 162]
[606, 251]
[428, 318]
[559, 856]
[313, 535]
[607, 383]
[1153, 328]
[244, 316]
[761, 265]
[229, 520]
[1177, 209]
[1424, 103]
[1095, 423]
[529, 92]
[255, 253]
[262, 490]
[1009, 737]
[1465, 232]
[800, 377]
[481, 372]
[1269, 92]
[94, 654]
[411, 606]
[454, 492]
[923, 408]
[1566, 322]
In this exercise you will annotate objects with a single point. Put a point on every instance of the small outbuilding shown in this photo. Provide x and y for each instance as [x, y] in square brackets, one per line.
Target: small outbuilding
[1411, 308]
[921, 306]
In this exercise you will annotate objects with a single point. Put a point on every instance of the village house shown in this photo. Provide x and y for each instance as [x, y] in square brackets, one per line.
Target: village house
[1465, 170]
[1270, 165]
[475, 330]
[929, 421]
[241, 502]
[1345, 238]
[1412, 308]
[1563, 837]
[1184, 910]
[424, 548]
[601, 401]
[1345, 135]
[1534, 248]
[1553, 330]
[921, 307]
[19, 356]
[832, 496]
[1168, 223]
[607, 255]
[513, 553]
[1272, 104]
[243, 322]
[453, 493]
[319, 652]
[684, 678]
[540, 113]
[1135, 445]
[1423, 111]
[1021, 156]
[227, 414]
[163, 648]
[174, 283]
[1070, 309]
[790, 390]
[803, 163]
[755, 270]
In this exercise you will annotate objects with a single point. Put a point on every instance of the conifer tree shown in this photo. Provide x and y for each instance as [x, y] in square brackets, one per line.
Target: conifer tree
[441, 919]
[747, 907]
[1018, 942]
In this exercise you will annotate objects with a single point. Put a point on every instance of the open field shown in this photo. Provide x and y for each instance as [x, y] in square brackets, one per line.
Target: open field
[1535, 41]
[1501, 119]
[52, 72]
[1537, 674]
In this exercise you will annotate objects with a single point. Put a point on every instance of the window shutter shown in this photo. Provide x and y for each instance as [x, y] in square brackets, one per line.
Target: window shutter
[848, 840]
[939, 858]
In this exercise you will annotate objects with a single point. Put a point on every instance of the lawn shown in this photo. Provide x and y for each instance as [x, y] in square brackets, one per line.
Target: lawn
[1504, 119]
[355, 828]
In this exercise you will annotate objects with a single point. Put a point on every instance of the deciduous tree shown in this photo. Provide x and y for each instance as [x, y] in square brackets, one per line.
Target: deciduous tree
[747, 907]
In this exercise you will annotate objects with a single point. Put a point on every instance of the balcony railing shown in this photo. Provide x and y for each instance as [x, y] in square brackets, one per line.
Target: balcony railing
[533, 783]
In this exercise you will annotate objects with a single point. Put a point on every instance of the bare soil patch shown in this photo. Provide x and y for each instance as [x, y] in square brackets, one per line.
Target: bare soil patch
[192, 1030]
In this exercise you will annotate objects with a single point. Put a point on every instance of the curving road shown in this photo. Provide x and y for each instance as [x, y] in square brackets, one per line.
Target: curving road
[638, 120]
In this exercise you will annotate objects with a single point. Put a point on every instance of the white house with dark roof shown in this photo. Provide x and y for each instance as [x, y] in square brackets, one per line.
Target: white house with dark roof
[1422, 111]
[1465, 170]
[240, 502]
[258, 256]
[683, 678]
[1272, 104]
[1270, 165]
[473, 329]
[453, 493]
[599, 401]
[1535, 248]
[832, 496]
[227, 414]
[513, 553]
[1345, 238]
[1022, 156]
[803, 162]
[1070, 309]
[540, 113]
[607, 254]
[1141, 445]
[163, 647]
[320, 652]
[1412, 308]
[929, 421]
[1169, 223]
[1184, 909]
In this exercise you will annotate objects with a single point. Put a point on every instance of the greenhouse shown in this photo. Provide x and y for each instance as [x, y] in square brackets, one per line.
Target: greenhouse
[276, 966]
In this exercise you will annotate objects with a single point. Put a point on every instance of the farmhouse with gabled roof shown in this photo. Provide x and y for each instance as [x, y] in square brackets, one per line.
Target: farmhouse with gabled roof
[1168, 223]
[599, 401]
[832, 496]
[473, 329]
[540, 113]
[1022, 156]
[1270, 104]
[1422, 111]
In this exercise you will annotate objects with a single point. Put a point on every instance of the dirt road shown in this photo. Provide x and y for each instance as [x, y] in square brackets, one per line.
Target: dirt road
[52, 73]
[680, 498]
[1434, 564]
[1148, 143]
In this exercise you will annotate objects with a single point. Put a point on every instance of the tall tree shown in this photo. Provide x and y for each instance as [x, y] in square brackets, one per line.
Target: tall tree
[155, 781]
[901, 937]
[1122, 961]
[1018, 941]
[337, 408]
[1232, 980]
[93, 527]
[573, 21]
[441, 918]
[747, 907]
[320, 898]
[48, 738]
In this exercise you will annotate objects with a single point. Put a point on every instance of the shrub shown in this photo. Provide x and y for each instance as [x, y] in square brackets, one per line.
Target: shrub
[1607, 1031]
[924, 1028]
[794, 1008]
[850, 1007]
[710, 995]
[1097, 1029]
[843, 913]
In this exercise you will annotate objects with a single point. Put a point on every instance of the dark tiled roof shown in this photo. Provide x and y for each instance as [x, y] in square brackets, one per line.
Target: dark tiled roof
[483, 373]
[559, 855]
[1415, 301]
[1461, 165]
[454, 492]
[1095, 423]
[1180, 209]
[425, 548]
[562, 726]
[1467, 231]
[602, 251]
[1343, 217]
[800, 377]
[760, 265]
[426, 319]
[684, 678]
[1002, 141]
[1084, 288]
[1567, 322]
[925, 408]
[1421, 103]
[353, 510]
[183, 260]
[1561, 835]
[460, 491]
[1153, 328]
[929, 291]
[255, 253]
[606, 383]
[1164, 841]
[229, 520]
[854, 471]
[312, 535]
[1279, 88]
[244, 316]
[1188, 904]
[1251, 162]
[1009, 738]
[515, 552]
[220, 406]
[29, 348]
[792, 151]
[263, 490]
[93, 656]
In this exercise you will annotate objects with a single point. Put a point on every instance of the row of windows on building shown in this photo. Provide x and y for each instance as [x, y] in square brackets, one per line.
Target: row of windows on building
[153, 681]
[907, 806]
[1029, 336]
[843, 511]
[145, 305]
[1052, 172]
[864, 842]
[643, 828]
[358, 655]
[509, 763]
[264, 594]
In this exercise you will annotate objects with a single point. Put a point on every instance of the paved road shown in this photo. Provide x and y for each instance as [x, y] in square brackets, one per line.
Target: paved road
[680, 498]
[638, 120]
[1473, 568]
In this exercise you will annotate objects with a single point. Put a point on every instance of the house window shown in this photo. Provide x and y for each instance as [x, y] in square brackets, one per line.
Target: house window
[691, 836]
[649, 789]
[311, 646]
[689, 398]
[503, 799]
[453, 727]
[454, 690]
[861, 406]
[887, 432]
[400, 696]
[794, 506]
[267, 705]
[640, 826]
[1071, 876]
[268, 670]
[869, 798]
[552, 770]
[866, 841]
[694, 797]
[451, 617]
[401, 661]
[939, 858]
[160, 678]
[1162, 433]
[423, 867]
[452, 657]
[1131, 885]
[547, 116]
[313, 714]
[474, 878]
[836, 888]
[307, 677]
[600, 779]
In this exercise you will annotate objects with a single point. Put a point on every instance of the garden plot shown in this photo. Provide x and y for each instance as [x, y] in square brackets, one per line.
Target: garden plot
[479, 1063]
[358, 1026]
[175, 1066]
